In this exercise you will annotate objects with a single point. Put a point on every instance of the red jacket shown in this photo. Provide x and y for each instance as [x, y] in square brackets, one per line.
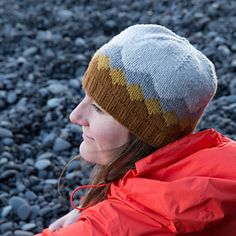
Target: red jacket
[187, 187]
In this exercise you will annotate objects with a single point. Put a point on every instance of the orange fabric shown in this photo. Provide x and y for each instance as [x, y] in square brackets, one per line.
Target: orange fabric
[185, 188]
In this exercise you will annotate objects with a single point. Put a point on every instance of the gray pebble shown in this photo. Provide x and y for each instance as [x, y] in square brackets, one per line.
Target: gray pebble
[8, 233]
[2, 103]
[5, 133]
[75, 128]
[16, 201]
[51, 181]
[22, 233]
[43, 92]
[34, 211]
[20, 187]
[61, 145]
[45, 35]
[54, 102]
[232, 87]
[233, 63]
[8, 174]
[46, 155]
[57, 88]
[42, 164]
[28, 226]
[6, 211]
[7, 141]
[11, 97]
[21, 60]
[74, 165]
[224, 49]
[49, 139]
[231, 98]
[80, 42]
[44, 211]
[23, 211]
[3, 160]
[30, 195]
[6, 226]
[64, 15]
[75, 84]
[30, 51]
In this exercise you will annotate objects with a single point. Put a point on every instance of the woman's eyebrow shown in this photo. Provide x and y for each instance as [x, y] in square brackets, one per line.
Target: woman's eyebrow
[92, 101]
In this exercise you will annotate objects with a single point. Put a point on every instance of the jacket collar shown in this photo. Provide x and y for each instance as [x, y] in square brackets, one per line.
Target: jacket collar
[179, 149]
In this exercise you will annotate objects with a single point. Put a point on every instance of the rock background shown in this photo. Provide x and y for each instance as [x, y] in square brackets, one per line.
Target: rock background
[45, 47]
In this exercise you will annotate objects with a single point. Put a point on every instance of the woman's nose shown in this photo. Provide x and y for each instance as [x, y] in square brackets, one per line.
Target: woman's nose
[78, 117]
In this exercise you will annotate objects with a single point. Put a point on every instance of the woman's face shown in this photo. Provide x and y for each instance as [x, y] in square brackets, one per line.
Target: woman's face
[101, 132]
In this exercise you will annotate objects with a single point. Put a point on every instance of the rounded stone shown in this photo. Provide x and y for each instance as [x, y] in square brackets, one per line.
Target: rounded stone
[30, 195]
[51, 181]
[34, 211]
[57, 88]
[28, 226]
[61, 145]
[54, 102]
[46, 155]
[42, 164]
[15, 202]
[5, 133]
[22, 233]
[232, 87]
[6, 211]
[23, 211]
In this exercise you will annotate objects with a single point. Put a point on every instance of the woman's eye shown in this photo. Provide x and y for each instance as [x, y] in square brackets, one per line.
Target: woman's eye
[97, 108]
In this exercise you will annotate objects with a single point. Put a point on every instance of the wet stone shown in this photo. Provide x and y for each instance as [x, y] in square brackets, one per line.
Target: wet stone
[22, 233]
[61, 145]
[44, 211]
[42, 164]
[16, 201]
[30, 195]
[5, 133]
[28, 227]
[6, 211]
[23, 211]
[6, 226]
[34, 211]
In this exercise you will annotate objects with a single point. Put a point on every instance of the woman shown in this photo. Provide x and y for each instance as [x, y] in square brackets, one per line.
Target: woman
[146, 90]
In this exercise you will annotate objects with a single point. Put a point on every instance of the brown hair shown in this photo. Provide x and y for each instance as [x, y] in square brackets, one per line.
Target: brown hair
[125, 158]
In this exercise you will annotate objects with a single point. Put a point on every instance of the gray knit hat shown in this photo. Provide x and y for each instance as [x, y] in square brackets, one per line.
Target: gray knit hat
[152, 81]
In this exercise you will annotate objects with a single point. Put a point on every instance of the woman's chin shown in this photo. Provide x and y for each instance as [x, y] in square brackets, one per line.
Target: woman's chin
[86, 152]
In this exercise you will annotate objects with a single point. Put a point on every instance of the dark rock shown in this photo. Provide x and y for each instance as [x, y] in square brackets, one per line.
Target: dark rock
[8, 174]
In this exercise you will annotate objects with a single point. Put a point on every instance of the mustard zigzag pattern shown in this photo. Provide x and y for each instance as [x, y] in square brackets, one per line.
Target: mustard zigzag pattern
[135, 91]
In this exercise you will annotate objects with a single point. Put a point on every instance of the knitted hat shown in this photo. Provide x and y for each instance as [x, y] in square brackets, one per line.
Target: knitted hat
[152, 81]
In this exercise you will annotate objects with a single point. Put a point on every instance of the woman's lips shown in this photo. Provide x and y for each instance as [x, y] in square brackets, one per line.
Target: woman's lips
[85, 137]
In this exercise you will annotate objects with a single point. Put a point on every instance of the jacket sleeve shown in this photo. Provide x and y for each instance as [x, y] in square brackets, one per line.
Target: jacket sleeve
[78, 228]
[92, 227]
[111, 217]
[96, 220]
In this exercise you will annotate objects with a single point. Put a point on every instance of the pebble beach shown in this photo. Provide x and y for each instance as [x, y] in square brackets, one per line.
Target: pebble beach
[45, 47]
